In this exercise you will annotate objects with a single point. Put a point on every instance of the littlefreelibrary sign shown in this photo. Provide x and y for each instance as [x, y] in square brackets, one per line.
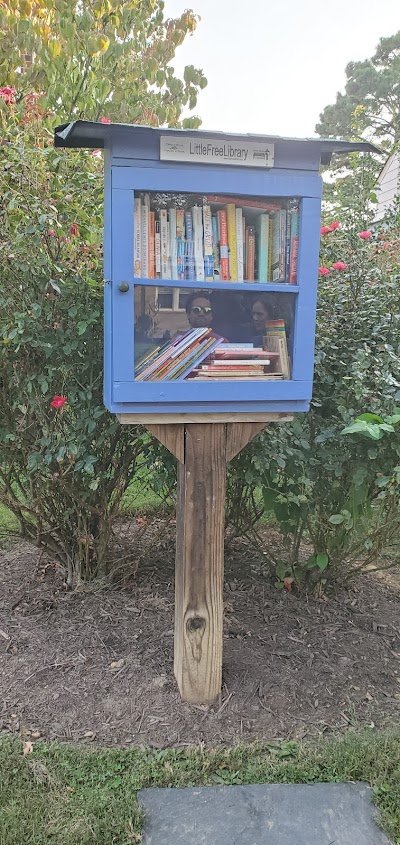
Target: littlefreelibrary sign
[202, 150]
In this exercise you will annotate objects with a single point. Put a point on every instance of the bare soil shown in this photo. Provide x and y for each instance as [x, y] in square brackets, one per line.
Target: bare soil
[96, 665]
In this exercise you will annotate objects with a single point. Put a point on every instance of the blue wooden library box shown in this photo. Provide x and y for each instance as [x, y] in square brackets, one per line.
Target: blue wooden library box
[211, 248]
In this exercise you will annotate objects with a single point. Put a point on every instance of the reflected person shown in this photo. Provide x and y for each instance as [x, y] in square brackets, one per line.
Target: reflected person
[199, 311]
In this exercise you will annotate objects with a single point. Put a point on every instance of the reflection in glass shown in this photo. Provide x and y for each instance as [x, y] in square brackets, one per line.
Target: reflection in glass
[182, 334]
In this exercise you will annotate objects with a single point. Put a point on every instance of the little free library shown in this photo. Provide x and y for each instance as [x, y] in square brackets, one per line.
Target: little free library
[211, 246]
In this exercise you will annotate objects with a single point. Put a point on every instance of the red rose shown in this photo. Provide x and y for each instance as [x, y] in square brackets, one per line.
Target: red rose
[365, 235]
[58, 402]
[325, 230]
[339, 265]
[323, 271]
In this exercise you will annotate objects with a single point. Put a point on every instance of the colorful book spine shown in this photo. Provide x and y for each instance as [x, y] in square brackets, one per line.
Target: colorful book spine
[198, 242]
[173, 252]
[145, 241]
[190, 267]
[208, 245]
[223, 246]
[137, 238]
[294, 244]
[250, 253]
[239, 244]
[165, 271]
[276, 248]
[232, 242]
[282, 251]
[180, 224]
[152, 269]
[157, 249]
[181, 258]
[263, 247]
[215, 247]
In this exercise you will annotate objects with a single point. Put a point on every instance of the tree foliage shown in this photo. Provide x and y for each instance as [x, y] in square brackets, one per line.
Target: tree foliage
[105, 57]
[371, 102]
[65, 462]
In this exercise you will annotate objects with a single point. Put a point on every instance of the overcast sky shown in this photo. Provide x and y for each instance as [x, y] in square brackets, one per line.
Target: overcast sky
[273, 65]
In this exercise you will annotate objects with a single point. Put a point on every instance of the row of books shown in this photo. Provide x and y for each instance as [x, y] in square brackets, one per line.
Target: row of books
[201, 354]
[224, 239]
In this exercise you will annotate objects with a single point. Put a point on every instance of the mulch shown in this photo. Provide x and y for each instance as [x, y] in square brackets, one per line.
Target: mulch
[96, 665]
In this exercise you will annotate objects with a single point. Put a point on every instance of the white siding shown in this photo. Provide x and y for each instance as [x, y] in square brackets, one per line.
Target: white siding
[387, 186]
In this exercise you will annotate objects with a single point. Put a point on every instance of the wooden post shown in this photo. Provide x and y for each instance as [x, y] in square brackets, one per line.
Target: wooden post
[202, 450]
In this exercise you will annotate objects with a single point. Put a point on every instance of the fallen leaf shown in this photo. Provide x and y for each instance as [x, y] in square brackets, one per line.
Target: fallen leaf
[117, 664]
[89, 734]
[288, 583]
[27, 748]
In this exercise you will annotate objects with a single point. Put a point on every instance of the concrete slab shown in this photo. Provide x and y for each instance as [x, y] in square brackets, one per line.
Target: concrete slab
[263, 814]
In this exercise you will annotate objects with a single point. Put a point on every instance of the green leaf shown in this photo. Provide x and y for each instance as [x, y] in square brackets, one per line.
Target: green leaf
[82, 326]
[336, 519]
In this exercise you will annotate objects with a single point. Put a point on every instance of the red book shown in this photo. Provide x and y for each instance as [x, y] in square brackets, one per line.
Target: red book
[223, 246]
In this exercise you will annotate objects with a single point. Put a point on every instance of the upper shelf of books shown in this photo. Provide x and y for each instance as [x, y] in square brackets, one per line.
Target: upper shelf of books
[216, 239]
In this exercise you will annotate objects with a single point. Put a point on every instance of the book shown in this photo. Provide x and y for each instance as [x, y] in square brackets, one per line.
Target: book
[294, 243]
[173, 250]
[239, 244]
[232, 242]
[137, 237]
[263, 247]
[278, 246]
[180, 224]
[157, 249]
[145, 240]
[181, 258]
[197, 219]
[275, 341]
[244, 202]
[250, 253]
[208, 245]
[190, 266]
[165, 266]
[152, 269]
[215, 247]
[223, 245]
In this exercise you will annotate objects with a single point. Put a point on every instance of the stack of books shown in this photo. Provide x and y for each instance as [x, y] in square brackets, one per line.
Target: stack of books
[238, 362]
[201, 354]
[218, 238]
[177, 358]
[275, 341]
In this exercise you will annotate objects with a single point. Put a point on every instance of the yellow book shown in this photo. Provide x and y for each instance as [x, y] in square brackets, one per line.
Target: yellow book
[232, 241]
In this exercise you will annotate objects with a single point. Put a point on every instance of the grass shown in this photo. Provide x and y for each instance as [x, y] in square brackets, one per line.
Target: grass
[60, 795]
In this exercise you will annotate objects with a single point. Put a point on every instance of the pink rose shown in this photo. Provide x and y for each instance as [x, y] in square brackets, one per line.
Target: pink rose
[325, 230]
[105, 120]
[52, 233]
[365, 235]
[323, 271]
[339, 265]
[8, 94]
[334, 225]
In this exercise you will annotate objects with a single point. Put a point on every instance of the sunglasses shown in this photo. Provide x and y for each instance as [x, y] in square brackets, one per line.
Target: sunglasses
[200, 309]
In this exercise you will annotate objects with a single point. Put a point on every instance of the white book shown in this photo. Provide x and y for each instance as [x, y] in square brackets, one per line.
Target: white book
[157, 249]
[239, 244]
[145, 241]
[173, 250]
[137, 238]
[198, 242]
[208, 245]
[165, 272]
